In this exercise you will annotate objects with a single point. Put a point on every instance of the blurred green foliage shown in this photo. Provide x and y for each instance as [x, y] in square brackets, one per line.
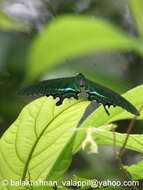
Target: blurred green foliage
[7, 23]
[102, 39]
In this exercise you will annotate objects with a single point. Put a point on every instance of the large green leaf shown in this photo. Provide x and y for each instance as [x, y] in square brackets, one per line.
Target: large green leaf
[39, 143]
[115, 83]
[137, 7]
[71, 36]
[99, 117]
[136, 170]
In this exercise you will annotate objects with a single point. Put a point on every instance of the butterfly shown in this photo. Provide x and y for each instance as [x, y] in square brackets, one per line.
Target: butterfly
[75, 87]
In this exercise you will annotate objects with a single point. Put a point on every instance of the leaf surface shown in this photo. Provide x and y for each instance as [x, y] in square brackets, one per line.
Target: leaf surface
[136, 170]
[72, 36]
[7, 23]
[107, 138]
[38, 145]
[136, 7]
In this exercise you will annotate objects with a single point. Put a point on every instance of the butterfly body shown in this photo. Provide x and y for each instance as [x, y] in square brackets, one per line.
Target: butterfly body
[79, 86]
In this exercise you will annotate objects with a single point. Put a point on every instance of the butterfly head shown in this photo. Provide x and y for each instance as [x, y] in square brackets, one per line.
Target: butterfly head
[80, 76]
[81, 80]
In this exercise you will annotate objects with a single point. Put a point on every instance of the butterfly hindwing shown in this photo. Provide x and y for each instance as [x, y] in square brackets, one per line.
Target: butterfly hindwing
[108, 97]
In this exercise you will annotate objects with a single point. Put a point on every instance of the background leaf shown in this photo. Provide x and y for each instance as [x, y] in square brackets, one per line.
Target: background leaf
[111, 188]
[7, 23]
[136, 170]
[137, 7]
[107, 138]
[81, 35]
[40, 140]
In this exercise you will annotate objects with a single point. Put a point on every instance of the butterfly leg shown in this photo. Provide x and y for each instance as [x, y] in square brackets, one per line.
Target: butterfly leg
[60, 101]
[106, 110]
[57, 95]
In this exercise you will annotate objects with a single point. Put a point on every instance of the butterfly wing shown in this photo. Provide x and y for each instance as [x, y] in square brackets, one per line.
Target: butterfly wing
[108, 97]
[62, 88]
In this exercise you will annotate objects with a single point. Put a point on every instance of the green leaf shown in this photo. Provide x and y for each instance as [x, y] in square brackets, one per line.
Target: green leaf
[41, 188]
[136, 170]
[111, 188]
[99, 117]
[38, 145]
[6, 23]
[107, 138]
[71, 36]
[117, 84]
[93, 183]
[137, 7]
[84, 184]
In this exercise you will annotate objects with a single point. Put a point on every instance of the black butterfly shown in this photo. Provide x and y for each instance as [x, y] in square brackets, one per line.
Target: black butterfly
[78, 86]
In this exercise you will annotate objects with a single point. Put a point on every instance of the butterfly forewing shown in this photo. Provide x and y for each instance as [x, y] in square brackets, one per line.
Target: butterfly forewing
[108, 97]
[52, 86]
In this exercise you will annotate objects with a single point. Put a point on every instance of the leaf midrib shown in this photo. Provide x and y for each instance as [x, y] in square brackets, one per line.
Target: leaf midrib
[36, 142]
